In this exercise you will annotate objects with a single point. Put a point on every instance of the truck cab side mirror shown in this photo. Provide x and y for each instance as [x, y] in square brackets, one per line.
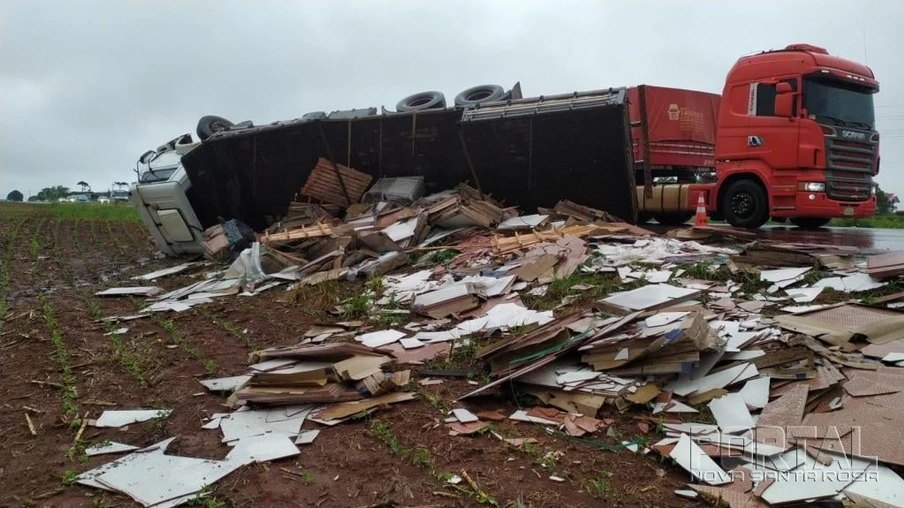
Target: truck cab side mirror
[146, 157]
[784, 100]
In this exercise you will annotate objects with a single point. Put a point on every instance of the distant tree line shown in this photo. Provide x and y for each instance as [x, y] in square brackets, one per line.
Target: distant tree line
[885, 205]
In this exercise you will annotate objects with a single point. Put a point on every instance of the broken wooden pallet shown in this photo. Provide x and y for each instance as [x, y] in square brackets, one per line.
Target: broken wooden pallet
[325, 185]
[318, 230]
[504, 245]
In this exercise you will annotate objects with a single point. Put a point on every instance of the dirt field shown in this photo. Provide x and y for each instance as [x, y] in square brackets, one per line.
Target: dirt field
[59, 368]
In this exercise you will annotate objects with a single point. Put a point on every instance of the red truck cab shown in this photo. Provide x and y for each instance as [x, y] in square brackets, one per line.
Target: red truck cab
[796, 139]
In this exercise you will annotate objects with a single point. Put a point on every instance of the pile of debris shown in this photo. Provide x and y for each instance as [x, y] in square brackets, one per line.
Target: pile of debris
[732, 331]
[317, 373]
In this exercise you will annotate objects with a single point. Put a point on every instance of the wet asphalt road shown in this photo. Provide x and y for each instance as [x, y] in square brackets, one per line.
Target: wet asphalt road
[868, 240]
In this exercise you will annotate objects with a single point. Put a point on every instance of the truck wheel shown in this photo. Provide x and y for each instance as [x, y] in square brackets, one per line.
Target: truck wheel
[422, 101]
[479, 94]
[210, 124]
[672, 219]
[809, 222]
[745, 205]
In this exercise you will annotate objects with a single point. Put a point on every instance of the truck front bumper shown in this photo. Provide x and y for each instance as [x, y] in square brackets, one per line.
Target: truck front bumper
[817, 204]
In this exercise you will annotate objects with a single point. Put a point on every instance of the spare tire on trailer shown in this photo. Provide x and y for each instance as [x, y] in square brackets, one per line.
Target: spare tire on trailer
[479, 94]
[313, 115]
[211, 124]
[422, 101]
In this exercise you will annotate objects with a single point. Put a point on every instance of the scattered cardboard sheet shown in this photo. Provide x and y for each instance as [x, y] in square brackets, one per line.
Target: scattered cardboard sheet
[262, 448]
[165, 272]
[419, 355]
[154, 479]
[523, 222]
[686, 385]
[672, 407]
[850, 284]
[126, 291]
[689, 456]
[838, 324]
[225, 384]
[651, 297]
[731, 414]
[664, 318]
[804, 295]
[756, 393]
[783, 274]
[790, 486]
[878, 484]
[244, 423]
[122, 418]
[464, 416]
[380, 338]
[108, 447]
[346, 409]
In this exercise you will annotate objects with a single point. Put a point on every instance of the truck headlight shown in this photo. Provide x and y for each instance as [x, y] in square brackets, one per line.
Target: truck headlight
[812, 186]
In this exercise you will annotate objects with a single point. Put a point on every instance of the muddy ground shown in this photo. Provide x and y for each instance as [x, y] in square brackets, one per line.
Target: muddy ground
[58, 367]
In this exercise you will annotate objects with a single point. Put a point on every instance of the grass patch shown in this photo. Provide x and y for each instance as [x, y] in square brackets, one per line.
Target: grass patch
[61, 354]
[603, 284]
[439, 257]
[69, 478]
[210, 365]
[318, 299]
[5, 265]
[877, 222]
[206, 499]
[383, 320]
[77, 452]
[227, 327]
[706, 271]
[418, 456]
[375, 285]
[437, 403]
[119, 212]
[381, 431]
[462, 356]
[356, 307]
[598, 488]
[126, 360]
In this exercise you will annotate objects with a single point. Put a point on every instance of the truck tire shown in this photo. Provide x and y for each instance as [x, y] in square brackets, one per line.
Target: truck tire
[745, 204]
[673, 219]
[210, 124]
[809, 222]
[422, 101]
[479, 94]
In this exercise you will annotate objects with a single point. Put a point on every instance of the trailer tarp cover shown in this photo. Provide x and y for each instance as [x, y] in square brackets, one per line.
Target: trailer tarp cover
[526, 152]
[674, 114]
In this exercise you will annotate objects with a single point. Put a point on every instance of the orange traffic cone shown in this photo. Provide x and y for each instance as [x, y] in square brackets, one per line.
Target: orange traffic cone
[700, 219]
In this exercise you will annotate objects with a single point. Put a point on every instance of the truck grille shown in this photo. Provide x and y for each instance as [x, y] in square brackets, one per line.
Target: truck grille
[850, 164]
[848, 186]
[851, 155]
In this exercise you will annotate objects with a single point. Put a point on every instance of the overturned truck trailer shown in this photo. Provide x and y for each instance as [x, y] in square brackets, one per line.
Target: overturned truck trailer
[526, 152]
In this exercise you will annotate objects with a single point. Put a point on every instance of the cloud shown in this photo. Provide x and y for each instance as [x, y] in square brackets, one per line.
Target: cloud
[90, 85]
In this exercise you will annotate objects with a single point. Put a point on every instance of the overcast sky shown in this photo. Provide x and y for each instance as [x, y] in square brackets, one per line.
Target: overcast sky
[88, 86]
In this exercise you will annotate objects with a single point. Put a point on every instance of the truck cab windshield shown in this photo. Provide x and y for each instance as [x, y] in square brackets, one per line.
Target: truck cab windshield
[158, 175]
[839, 103]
